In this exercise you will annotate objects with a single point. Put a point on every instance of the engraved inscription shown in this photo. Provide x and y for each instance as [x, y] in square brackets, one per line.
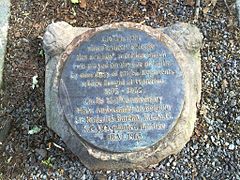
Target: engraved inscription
[122, 90]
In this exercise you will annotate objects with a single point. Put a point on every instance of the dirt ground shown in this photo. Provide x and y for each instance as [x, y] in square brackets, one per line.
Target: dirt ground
[216, 136]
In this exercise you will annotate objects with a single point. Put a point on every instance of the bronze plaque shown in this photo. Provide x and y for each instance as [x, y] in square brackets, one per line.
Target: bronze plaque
[121, 89]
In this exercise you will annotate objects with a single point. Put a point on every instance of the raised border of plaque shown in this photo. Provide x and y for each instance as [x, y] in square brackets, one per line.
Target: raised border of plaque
[94, 157]
[85, 94]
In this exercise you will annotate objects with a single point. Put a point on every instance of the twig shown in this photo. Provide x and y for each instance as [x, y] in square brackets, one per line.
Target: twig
[58, 146]
[197, 9]
[29, 32]
[45, 6]
[225, 2]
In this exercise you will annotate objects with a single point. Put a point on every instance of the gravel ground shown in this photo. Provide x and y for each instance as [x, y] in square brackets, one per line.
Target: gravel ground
[213, 151]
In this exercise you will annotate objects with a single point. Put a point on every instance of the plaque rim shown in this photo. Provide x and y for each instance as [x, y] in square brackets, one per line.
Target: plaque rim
[160, 36]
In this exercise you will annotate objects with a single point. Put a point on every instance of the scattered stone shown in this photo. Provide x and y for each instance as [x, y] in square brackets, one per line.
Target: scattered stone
[231, 147]
[238, 142]
[212, 139]
[238, 118]
[41, 152]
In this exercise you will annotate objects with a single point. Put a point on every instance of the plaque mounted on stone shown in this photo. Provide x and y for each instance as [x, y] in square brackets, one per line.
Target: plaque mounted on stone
[122, 95]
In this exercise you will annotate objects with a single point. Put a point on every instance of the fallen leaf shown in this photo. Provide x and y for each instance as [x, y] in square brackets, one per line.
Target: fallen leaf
[26, 14]
[198, 133]
[205, 10]
[9, 159]
[214, 2]
[34, 81]
[224, 84]
[83, 4]
[34, 130]
[75, 1]
[73, 12]
[210, 2]
[61, 171]
[49, 145]
[37, 26]
[17, 34]
[203, 110]
[190, 2]
[41, 53]
[143, 2]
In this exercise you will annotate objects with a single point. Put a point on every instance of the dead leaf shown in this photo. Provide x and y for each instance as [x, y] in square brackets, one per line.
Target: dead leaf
[34, 130]
[37, 26]
[83, 4]
[210, 2]
[205, 10]
[224, 84]
[197, 132]
[17, 34]
[143, 2]
[214, 2]
[190, 2]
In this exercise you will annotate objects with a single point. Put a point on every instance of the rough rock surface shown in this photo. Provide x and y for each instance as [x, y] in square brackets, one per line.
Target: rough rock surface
[238, 10]
[59, 35]
[5, 12]
[4, 15]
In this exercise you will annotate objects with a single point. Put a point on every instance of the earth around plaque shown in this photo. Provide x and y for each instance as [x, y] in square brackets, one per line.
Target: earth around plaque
[121, 89]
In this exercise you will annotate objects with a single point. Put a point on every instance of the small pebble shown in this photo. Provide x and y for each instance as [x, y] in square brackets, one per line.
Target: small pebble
[231, 147]
[238, 142]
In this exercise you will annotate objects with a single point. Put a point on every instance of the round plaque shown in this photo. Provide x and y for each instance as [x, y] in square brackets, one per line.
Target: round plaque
[121, 89]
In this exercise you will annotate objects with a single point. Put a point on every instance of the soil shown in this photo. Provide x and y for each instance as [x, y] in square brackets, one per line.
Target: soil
[213, 150]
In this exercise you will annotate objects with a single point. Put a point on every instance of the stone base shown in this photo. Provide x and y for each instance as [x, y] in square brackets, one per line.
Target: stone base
[4, 15]
[188, 38]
